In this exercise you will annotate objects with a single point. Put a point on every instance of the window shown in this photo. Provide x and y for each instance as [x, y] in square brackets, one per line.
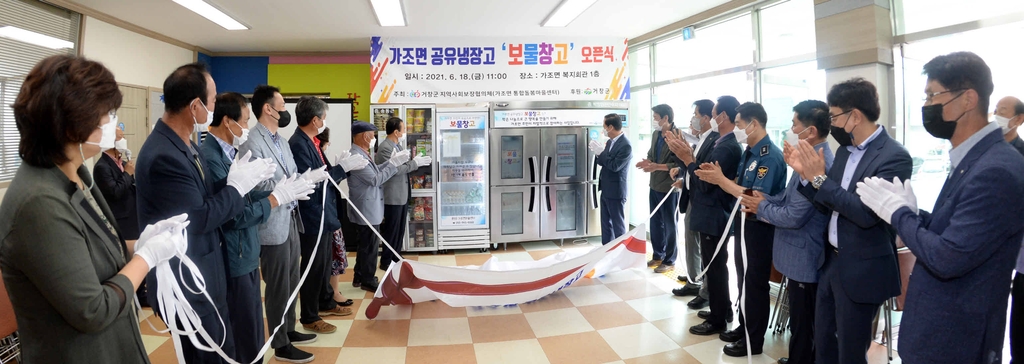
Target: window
[18, 58]
[920, 15]
[639, 133]
[717, 47]
[787, 30]
[640, 66]
[680, 96]
[784, 87]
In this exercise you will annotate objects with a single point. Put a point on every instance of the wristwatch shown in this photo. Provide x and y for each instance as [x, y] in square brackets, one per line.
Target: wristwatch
[818, 181]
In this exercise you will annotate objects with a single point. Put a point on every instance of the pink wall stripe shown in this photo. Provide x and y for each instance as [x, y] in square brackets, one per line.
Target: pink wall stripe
[360, 59]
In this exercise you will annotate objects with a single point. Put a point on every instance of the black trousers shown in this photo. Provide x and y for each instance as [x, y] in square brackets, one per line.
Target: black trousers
[246, 315]
[613, 218]
[842, 328]
[801, 321]
[312, 290]
[752, 282]
[366, 254]
[213, 327]
[393, 230]
[716, 279]
[1017, 318]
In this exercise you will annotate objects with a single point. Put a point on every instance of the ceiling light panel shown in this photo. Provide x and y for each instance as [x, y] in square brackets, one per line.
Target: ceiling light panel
[566, 12]
[390, 13]
[30, 37]
[211, 13]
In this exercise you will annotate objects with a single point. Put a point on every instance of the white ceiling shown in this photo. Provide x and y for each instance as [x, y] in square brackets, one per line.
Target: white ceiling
[346, 25]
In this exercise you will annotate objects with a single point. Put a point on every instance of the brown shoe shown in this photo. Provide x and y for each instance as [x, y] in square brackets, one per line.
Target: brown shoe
[337, 311]
[662, 268]
[653, 263]
[320, 327]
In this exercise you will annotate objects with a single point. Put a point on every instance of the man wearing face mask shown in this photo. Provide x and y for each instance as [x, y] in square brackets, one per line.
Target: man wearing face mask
[658, 162]
[1009, 116]
[396, 189]
[700, 123]
[229, 129]
[317, 295]
[367, 193]
[613, 157]
[860, 270]
[761, 169]
[115, 177]
[956, 298]
[799, 241]
[172, 179]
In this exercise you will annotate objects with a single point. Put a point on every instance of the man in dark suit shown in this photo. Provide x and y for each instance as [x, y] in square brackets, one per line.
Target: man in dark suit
[700, 123]
[613, 157]
[956, 299]
[658, 162]
[710, 206]
[171, 180]
[860, 270]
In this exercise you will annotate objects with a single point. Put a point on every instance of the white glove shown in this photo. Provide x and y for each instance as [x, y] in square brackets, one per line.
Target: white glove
[879, 198]
[422, 161]
[291, 189]
[244, 174]
[399, 158]
[316, 175]
[162, 241]
[596, 147]
[344, 154]
[902, 189]
[353, 163]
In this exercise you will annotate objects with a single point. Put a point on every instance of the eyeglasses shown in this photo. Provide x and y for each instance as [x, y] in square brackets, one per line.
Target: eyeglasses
[931, 95]
[832, 118]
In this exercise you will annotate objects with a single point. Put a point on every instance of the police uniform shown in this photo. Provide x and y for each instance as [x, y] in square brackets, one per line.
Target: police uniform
[761, 169]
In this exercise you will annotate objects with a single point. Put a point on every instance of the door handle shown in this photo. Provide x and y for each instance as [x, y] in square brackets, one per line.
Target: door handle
[593, 162]
[533, 167]
[547, 171]
[593, 193]
[533, 198]
[547, 196]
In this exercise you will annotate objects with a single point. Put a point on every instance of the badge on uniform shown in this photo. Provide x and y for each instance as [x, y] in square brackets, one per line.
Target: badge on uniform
[761, 172]
[764, 150]
[752, 166]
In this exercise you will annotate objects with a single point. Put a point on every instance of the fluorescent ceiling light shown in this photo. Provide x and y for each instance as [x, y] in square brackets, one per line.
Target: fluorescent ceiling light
[209, 12]
[34, 38]
[390, 13]
[566, 12]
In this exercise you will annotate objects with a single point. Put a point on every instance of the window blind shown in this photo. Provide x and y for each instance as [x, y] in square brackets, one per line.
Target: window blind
[17, 59]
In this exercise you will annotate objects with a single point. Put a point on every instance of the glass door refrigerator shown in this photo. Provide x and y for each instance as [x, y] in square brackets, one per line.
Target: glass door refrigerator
[419, 129]
[462, 192]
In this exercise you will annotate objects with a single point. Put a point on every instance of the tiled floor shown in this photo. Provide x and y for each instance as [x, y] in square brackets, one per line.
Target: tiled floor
[623, 317]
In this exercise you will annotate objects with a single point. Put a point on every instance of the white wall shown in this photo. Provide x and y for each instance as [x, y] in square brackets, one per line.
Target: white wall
[134, 58]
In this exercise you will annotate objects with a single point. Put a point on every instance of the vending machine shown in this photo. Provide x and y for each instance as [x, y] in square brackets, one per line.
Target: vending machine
[462, 192]
[419, 128]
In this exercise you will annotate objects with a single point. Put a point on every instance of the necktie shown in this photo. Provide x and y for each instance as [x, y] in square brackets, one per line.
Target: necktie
[200, 167]
[608, 145]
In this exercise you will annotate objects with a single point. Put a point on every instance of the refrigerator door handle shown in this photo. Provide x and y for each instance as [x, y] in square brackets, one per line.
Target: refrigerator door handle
[593, 163]
[547, 171]
[533, 197]
[533, 169]
[593, 193]
[547, 196]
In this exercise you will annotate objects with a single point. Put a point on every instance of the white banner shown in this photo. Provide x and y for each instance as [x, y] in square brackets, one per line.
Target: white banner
[498, 283]
[549, 118]
[436, 70]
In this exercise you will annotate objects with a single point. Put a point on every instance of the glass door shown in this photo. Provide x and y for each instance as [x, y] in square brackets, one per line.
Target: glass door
[514, 155]
[564, 155]
[421, 223]
[381, 114]
[562, 211]
[462, 184]
[419, 121]
[515, 212]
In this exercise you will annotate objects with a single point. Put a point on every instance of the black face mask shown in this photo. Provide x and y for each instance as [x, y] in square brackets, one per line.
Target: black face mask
[935, 124]
[284, 119]
[843, 137]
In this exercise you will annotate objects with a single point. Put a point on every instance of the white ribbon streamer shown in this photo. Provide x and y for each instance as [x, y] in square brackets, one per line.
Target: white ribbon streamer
[721, 242]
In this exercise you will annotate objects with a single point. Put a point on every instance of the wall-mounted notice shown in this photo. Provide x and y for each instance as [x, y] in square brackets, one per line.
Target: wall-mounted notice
[435, 70]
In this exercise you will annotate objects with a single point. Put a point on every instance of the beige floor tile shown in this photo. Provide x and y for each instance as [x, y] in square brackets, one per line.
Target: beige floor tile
[335, 339]
[153, 342]
[678, 356]
[471, 259]
[511, 352]
[558, 322]
[637, 340]
[444, 260]
[661, 307]
[445, 354]
[590, 295]
[540, 245]
[388, 355]
[509, 248]
[378, 333]
[677, 328]
[552, 301]
[585, 347]
[541, 254]
[493, 311]
[397, 312]
[620, 276]
[634, 290]
[444, 331]
[609, 315]
[436, 309]
[711, 352]
[488, 329]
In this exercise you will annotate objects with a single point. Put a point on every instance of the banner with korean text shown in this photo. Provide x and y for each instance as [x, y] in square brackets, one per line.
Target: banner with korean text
[499, 283]
[435, 70]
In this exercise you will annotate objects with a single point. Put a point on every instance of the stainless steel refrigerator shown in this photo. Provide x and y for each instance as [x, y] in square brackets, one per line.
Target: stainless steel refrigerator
[542, 170]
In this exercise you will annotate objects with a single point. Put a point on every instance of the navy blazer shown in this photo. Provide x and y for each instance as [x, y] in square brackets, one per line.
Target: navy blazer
[709, 204]
[615, 168]
[169, 184]
[702, 156]
[966, 250]
[307, 157]
[118, 189]
[867, 248]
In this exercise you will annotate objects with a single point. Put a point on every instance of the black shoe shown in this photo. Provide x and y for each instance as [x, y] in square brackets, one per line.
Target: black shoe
[783, 360]
[370, 286]
[705, 314]
[739, 349]
[683, 279]
[706, 329]
[291, 354]
[732, 336]
[345, 303]
[687, 290]
[299, 338]
[698, 303]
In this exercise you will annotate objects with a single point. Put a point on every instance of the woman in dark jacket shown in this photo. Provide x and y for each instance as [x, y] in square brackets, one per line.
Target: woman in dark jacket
[69, 273]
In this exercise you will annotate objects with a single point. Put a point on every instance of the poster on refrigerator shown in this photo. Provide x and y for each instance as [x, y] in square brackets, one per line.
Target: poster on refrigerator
[435, 70]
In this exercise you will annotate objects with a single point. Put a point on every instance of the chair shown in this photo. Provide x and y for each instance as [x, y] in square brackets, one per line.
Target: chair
[9, 345]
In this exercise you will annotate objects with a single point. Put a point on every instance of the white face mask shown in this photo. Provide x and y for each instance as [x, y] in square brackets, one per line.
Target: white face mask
[794, 138]
[109, 133]
[1003, 123]
[714, 125]
[121, 145]
[320, 130]
[695, 124]
[200, 127]
[741, 134]
[239, 139]
[373, 142]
